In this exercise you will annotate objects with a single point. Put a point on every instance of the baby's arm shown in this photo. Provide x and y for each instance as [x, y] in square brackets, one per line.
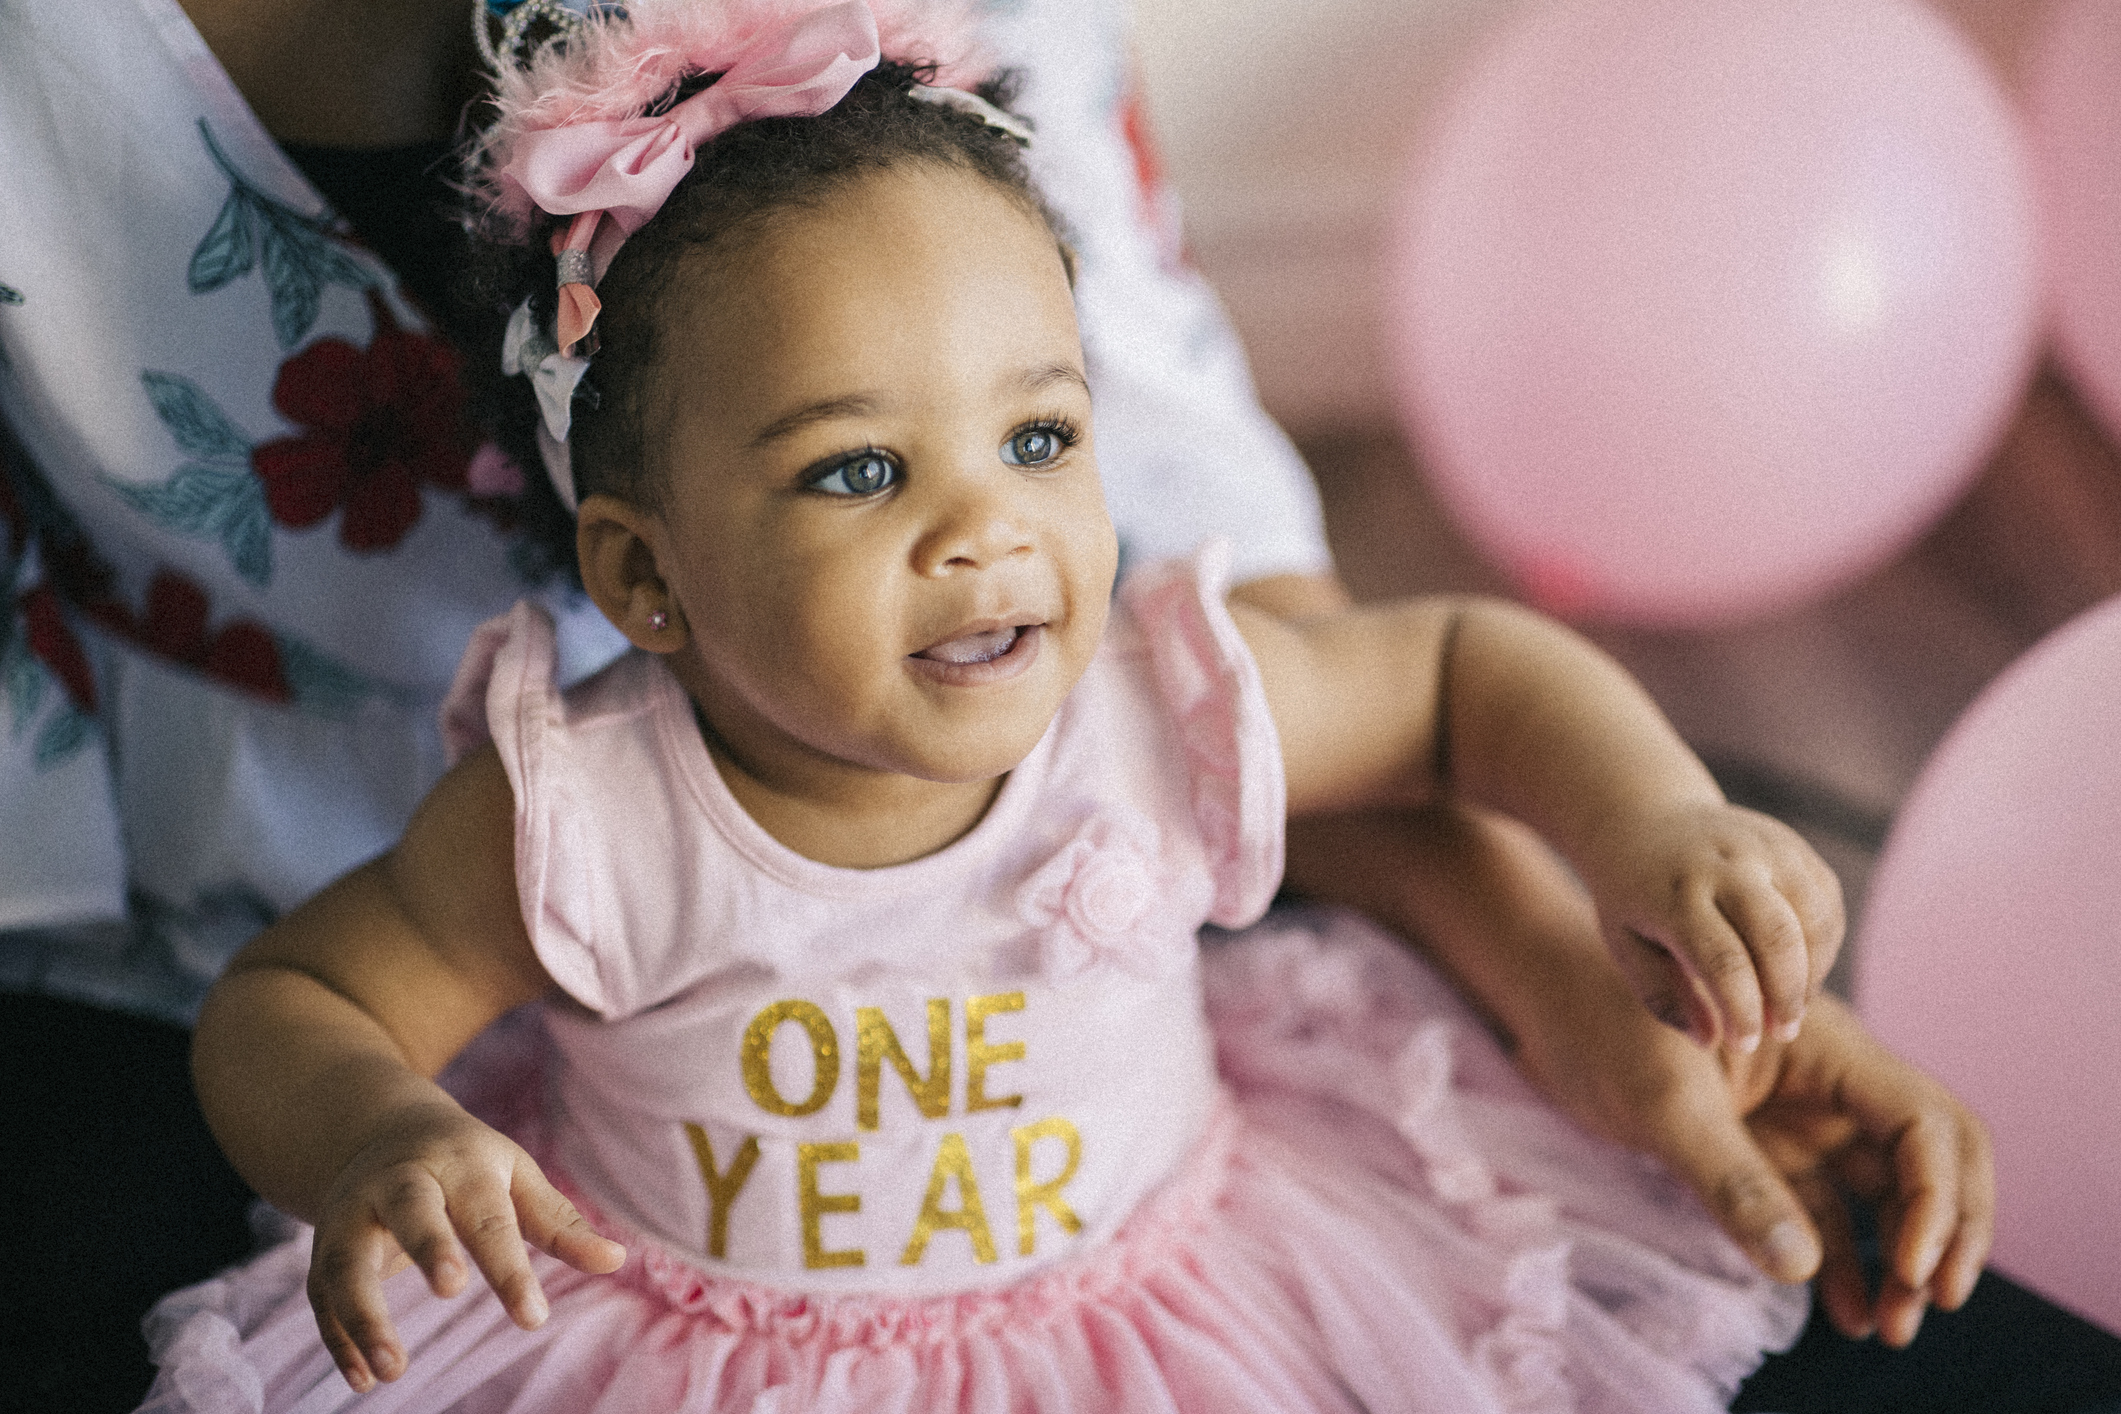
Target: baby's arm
[313, 1060]
[1722, 919]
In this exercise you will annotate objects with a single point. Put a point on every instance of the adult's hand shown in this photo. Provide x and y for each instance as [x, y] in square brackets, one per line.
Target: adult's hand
[1774, 1143]
[1840, 1116]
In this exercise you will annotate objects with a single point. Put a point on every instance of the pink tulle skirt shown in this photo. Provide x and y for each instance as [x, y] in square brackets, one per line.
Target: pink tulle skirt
[1381, 1217]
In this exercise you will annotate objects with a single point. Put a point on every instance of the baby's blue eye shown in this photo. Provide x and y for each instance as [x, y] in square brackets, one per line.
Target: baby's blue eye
[1036, 446]
[862, 475]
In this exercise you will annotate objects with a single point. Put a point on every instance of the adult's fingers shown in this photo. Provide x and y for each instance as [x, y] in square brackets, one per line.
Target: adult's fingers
[1968, 1252]
[1706, 1145]
[1899, 1311]
[1942, 1193]
[1937, 1204]
[1844, 1289]
[1942, 1213]
[555, 1226]
[1925, 1201]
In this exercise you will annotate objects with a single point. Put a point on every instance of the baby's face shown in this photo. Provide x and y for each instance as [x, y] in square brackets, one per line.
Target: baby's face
[885, 526]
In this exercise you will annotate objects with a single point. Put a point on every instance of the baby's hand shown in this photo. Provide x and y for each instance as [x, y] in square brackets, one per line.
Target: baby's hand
[432, 1183]
[1723, 919]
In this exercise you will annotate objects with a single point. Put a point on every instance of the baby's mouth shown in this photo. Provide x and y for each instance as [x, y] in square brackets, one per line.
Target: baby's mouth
[973, 647]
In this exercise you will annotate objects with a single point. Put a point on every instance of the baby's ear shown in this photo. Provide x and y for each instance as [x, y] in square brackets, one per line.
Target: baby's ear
[613, 542]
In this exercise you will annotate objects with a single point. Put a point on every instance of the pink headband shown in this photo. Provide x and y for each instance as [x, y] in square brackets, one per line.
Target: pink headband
[572, 139]
[626, 168]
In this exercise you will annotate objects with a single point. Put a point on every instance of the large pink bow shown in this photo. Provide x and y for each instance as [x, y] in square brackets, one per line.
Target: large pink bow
[627, 167]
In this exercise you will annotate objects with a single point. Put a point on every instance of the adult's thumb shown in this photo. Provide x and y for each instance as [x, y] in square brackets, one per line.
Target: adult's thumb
[1714, 1155]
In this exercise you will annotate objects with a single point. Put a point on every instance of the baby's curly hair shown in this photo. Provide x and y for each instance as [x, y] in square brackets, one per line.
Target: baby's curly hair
[740, 181]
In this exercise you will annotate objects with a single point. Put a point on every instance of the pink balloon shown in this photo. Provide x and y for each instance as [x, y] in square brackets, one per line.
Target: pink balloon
[2074, 96]
[1990, 952]
[1706, 306]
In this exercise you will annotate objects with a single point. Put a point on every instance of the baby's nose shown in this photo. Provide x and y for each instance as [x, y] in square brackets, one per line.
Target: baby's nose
[978, 526]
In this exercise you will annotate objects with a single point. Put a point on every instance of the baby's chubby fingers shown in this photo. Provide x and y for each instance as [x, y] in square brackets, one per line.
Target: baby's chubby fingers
[487, 1223]
[1779, 959]
[494, 1219]
[1714, 947]
[345, 1287]
[1691, 967]
[1814, 893]
[557, 1228]
[347, 1356]
[436, 1188]
[411, 1205]
[1669, 989]
[1740, 902]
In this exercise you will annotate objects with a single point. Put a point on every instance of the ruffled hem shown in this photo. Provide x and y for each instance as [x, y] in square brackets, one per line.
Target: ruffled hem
[1614, 1288]
[1382, 1217]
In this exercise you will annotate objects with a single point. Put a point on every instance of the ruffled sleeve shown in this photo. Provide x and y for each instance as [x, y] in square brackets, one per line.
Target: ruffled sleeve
[1209, 684]
[506, 692]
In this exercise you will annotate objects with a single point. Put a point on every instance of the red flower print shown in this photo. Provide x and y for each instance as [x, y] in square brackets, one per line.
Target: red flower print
[1154, 202]
[381, 422]
[175, 626]
[1141, 143]
[56, 647]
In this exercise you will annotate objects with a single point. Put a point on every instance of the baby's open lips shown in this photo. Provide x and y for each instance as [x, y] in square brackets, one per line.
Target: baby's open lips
[978, 642]
[972, 647]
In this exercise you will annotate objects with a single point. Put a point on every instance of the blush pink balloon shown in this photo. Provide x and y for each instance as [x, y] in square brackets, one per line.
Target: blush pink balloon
[2073, 95]
[1703, 307]
[1990, 951]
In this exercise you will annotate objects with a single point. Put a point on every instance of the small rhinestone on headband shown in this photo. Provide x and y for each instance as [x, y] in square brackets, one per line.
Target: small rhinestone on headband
[574, 267]
[563, 20]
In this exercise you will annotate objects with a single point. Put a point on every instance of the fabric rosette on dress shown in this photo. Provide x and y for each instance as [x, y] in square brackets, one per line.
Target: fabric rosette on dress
[1086, 899]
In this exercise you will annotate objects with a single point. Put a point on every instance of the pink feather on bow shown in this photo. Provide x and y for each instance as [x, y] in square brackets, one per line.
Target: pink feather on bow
[571, 135]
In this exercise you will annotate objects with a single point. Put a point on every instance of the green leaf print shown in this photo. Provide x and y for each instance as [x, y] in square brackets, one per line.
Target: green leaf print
[25, 681]
[301, 255]
[200, 428]
[217, 497]
[9, 295]
[66, 733]
[228, 251]
[23, 678]
[212, 503]
[322, 685]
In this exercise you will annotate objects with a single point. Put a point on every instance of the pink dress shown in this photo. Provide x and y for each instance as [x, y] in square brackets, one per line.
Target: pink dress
[992, 1130]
